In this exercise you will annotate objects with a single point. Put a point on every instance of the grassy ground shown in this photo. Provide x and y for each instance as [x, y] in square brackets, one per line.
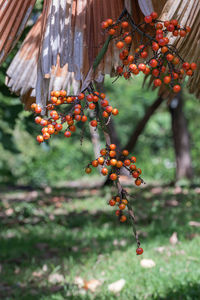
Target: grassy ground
[48, 239]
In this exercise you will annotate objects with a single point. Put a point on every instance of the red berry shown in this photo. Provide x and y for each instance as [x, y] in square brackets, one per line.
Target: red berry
[139, 251]
[176, 88]
[148, 19]
[112, 202]
[93, 123]
[154, 15]
[67, 134]
[153, 63]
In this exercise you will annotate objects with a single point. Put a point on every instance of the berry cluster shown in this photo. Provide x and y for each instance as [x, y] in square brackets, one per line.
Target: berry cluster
[56, 120]
[154, 55]
[108, 158]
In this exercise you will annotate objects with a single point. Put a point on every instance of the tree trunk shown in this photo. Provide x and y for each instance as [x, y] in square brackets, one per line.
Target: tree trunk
[142, 123]
[181, 139]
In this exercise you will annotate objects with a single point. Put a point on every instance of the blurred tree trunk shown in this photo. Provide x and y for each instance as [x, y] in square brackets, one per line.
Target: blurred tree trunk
[142, 124]
[181, 139]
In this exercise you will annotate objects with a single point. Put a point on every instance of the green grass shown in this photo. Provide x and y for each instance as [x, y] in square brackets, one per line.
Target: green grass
[74, 233]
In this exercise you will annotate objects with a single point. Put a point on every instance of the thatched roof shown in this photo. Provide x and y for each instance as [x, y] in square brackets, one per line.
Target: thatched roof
[62, 45]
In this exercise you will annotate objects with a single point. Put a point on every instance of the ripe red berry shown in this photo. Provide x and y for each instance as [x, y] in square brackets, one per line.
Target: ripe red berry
[93, 123]
[153, 63]
[124, 24]
[139, 251]
[193, 66]
[67, 134]
[95, 163]
[167, 79]
[138, 181]
[176, 88]
[115, 111]
[103, 152]
[112, 146]
[154, 15]
[112, 202]
[135, 174]
[148, 19]
[81, 96]
[157, 82]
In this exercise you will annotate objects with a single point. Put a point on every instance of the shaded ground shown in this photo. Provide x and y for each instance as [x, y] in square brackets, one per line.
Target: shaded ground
[48, 238]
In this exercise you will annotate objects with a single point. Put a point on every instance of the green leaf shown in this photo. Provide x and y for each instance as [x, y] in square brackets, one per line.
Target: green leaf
[101, 53]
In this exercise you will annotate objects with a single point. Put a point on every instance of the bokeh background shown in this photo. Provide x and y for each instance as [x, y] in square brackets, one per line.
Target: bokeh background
[60, 239]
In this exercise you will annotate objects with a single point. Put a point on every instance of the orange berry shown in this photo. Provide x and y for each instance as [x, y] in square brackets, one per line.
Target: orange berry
[103, 152]
[193, 66]
[113, 176]
[123, 218]
[112, 202]
[120, 45]
[40, 138]
[33, 106]
[113, 162]
[38, 120]
[135, 174]
[176, 88]
[95, 163]
[122, 206]
[104, 171]
[167, 79]
[124, 24]
[57, 94]
[88, 170]
[128, 39]
[112, 153]
[112, 146]
[84, 118]
[125, 201]
[119, 164]
[93, 123]
[58, 127]
[38, 109]
[72, 128]
[157, 82]
[46, 136]
[117, 212]
[127, 162]
[133, 167]
[115, 111]
[138, 181]
[117, 199]
[67, 134]
[125, 153]
[111, 31]
[100, 160]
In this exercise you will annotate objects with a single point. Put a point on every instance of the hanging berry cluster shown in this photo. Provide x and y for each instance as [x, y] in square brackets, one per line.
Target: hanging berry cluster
[79, 105]
[155, 55]
[108, 158]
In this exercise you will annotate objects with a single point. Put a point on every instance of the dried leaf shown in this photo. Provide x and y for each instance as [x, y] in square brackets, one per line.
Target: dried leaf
[173, 239]
[116, 286]
[91, 285]
[194, 223]
[147, 263]
[55, 278]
